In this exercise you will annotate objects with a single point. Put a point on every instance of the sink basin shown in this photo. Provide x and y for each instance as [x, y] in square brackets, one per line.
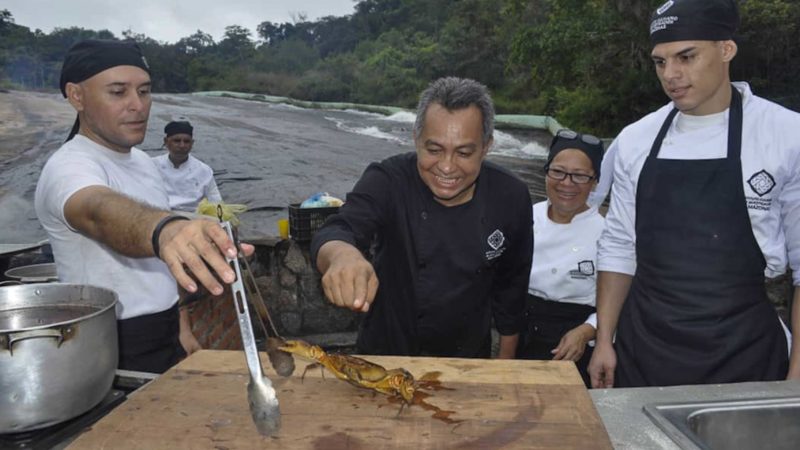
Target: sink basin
[761, 424]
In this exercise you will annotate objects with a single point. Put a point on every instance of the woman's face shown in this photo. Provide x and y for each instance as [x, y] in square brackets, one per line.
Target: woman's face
[568, 198]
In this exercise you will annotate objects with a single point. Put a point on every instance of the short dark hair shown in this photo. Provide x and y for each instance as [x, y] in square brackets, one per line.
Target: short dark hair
[455, 93]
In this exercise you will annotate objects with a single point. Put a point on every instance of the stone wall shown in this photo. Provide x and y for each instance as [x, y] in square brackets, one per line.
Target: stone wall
[291, 290]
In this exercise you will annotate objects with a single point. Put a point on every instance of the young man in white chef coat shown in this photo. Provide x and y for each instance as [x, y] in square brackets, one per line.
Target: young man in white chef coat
[705, 204]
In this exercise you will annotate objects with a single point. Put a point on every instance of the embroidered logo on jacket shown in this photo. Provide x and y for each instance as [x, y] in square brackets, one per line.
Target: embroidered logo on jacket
[762, 183]
[585, 270]
[496, 241]
[663, 8]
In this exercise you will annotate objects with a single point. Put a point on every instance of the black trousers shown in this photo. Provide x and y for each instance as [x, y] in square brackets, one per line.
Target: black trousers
[546, 322]
[150, 343]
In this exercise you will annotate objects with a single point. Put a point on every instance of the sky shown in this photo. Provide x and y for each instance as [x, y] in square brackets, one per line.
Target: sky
[167, 20]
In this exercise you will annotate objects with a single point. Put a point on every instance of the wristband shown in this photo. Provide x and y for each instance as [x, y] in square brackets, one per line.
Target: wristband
[157, 231]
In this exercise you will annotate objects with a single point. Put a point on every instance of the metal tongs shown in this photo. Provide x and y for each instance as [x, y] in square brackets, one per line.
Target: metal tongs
[260, 394]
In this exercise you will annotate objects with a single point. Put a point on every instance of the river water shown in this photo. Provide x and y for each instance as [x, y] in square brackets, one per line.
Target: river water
[264, 155]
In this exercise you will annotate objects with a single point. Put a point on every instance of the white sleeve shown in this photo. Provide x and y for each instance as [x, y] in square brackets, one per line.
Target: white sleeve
[592, 320]
[616, 249]
[600, 192]
[789, 200]
[212, 191]
[63, 176]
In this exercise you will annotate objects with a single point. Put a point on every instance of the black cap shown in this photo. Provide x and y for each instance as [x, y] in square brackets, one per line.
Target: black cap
[588, 144]
[694, 20]
[178, 127]
[87, 58]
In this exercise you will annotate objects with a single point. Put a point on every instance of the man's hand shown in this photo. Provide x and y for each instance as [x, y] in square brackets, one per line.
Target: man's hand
[189, 342]
[573, 344]
[126, 226]
[348, 279]
[196, 245]
[602, 365]
[185, 336]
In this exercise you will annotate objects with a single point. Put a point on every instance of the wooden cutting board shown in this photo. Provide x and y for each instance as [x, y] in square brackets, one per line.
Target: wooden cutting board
[202, 403]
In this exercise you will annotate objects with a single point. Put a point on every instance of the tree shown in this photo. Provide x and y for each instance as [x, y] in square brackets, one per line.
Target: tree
[236, 44]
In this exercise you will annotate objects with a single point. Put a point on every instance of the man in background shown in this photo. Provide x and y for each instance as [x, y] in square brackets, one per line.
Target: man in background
[188, 180]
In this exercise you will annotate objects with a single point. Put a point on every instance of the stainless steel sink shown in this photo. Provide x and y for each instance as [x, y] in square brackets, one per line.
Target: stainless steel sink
[761, 424]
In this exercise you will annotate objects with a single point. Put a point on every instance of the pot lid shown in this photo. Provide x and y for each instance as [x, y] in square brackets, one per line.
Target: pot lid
[34, 272]
[13, 249]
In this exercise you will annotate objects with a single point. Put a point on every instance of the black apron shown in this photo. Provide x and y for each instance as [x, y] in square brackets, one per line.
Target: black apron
[697, 311]
[150, 343]
[546, 322]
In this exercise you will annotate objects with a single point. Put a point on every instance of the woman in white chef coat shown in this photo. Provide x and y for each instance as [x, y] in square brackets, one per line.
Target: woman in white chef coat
[560, 313]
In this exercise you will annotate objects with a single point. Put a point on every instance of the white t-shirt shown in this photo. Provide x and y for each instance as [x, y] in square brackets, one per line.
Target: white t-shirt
[188, 183]
[565, 257]
[144, 285]
[770, 177]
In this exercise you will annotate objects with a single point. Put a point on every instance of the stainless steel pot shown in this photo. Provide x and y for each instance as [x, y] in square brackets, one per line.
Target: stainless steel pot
[34, 273]
[58, 352]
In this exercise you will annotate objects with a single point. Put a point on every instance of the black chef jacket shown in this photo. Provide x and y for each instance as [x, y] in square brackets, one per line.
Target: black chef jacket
[443, 271]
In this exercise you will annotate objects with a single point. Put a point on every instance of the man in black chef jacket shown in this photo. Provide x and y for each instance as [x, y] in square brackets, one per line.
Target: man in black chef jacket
[452, 237]
[705, 203]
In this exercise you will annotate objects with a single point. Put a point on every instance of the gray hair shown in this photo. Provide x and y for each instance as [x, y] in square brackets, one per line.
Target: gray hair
[453, 94]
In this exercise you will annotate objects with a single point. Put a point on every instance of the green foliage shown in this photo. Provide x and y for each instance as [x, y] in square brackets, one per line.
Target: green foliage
[584, 61]
[291, 56]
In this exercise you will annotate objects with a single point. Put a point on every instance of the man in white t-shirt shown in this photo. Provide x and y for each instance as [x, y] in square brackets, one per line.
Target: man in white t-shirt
[188, 180]
[103, 205]
[705, 203]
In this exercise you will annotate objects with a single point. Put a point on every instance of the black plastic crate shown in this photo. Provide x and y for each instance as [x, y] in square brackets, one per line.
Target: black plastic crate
[304, 222]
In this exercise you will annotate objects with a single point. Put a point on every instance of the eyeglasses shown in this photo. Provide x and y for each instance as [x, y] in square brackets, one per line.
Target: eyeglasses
[572, 135]
[560, 175]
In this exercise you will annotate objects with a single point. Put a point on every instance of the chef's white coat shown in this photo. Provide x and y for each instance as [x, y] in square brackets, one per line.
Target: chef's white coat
[188, 183]
[770, 177]
[565, 258]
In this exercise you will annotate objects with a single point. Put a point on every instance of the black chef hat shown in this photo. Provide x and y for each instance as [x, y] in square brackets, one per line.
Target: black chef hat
[87, 58]
[694, 20]
[181, 127]
[588, 144]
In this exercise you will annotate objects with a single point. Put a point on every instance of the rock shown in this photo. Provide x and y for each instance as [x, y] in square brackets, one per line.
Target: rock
[294, 259]
[310, 290]
[287, 301]
[266, 285]
[328, 320]
[291, 322]
[287, 278]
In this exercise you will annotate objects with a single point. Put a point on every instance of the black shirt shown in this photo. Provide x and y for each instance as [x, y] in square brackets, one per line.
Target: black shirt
[443, 271]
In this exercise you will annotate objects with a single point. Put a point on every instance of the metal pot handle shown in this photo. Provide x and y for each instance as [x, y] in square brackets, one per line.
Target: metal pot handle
[10, 339]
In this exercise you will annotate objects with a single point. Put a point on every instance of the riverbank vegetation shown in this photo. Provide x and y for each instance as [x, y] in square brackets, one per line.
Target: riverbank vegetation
[586, 62]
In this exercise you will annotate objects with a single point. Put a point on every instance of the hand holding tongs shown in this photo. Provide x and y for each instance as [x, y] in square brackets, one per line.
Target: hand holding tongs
[260, 393]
